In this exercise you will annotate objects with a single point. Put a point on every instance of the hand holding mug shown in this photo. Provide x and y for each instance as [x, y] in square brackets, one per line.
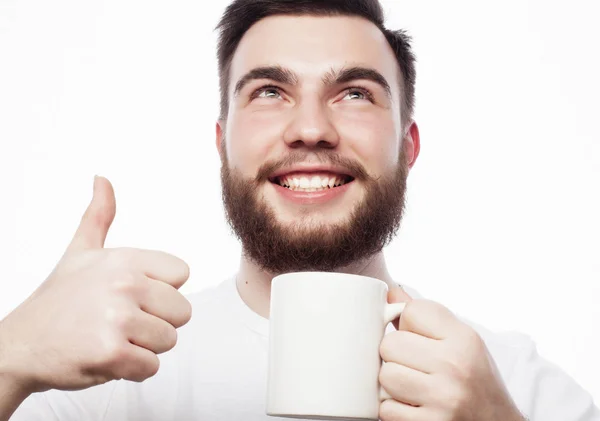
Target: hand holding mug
[437, 367]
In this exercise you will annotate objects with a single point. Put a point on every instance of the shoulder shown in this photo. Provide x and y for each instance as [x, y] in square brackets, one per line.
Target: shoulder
[540, 388]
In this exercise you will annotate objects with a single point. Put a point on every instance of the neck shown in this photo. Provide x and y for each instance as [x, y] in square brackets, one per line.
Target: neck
[254, 284]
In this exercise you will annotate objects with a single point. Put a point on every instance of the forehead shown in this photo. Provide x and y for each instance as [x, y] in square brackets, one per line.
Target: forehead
[312, 45]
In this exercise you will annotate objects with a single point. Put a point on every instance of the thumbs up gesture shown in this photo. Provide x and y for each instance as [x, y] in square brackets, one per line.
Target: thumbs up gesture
[102, 314]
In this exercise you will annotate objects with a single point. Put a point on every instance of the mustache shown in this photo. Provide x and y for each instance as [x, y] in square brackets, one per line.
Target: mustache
[352, 167]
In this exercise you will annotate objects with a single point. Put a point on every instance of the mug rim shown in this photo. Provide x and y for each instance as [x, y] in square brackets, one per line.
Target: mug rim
[336, 275]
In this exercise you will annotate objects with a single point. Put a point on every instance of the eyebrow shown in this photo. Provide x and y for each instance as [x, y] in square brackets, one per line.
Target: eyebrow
[333, 77]
[345, 75]
[274, 73]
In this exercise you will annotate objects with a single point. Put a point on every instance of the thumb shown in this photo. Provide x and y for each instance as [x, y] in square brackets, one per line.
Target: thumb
[97, 218]
[398, 295]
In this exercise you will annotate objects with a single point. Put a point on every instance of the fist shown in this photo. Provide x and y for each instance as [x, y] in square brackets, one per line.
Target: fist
[102, 314]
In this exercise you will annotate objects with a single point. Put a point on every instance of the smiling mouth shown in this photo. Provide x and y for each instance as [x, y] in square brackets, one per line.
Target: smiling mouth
[311, 182]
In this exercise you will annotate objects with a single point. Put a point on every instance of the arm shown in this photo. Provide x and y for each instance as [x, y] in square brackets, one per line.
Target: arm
[12, 390]
[11, 396]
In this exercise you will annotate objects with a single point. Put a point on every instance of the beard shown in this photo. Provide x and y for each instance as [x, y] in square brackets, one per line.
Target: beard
[299, 246]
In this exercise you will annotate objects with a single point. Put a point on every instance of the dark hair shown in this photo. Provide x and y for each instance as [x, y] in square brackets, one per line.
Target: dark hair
[240, 15]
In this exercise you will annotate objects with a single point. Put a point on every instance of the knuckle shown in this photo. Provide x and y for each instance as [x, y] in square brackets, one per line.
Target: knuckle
[127, 283]
[473, 342]
[462, 363]
[386, 374]
[391, 343]
[119, 319]
[122, 256]
[170, 337]
[423, 305]
[114, 354]
[151, 367]
[387, 412]
[185, 270]
[140, 370]
[454, 398]
[411, 311]
[184, 312]
[459, 369]
[387, 346]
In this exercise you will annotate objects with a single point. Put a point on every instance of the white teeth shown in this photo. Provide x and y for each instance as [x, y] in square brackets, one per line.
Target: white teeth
[312, 183]
[304, 183]
[315, 182]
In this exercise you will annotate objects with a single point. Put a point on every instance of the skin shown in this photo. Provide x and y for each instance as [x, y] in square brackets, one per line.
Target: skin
[123, 309]
[124, 304]
[436, 367]
[310, 115]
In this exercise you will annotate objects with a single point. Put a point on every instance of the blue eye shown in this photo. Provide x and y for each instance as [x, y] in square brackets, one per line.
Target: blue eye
[358, 93]
[266, 92]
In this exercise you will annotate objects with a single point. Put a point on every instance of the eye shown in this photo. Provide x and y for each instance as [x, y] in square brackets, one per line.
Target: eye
[266, 92]
[358, 93]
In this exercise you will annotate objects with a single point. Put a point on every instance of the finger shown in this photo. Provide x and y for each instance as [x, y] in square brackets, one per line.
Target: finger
[411, 350]
[161, 266]
[391, 410]
[97, 218]
[165, 302]
[429, 319]
[151, 333]
[405, 384]
[398, 295]
[139, 364]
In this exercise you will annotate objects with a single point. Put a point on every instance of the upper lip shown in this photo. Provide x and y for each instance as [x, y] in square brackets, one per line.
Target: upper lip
[308, 168]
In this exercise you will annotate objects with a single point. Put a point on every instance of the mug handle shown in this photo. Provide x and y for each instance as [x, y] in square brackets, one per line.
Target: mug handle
[391, 312]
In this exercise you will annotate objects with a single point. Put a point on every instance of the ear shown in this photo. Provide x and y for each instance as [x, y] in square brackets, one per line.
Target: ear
[411, 144]
[219, 134]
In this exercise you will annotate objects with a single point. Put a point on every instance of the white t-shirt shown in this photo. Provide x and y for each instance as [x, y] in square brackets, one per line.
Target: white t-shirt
[218, 371]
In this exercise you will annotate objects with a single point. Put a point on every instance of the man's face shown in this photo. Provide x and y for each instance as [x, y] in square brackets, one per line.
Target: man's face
[314, 169]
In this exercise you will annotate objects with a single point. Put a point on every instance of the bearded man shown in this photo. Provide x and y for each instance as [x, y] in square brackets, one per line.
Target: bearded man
[316, 137]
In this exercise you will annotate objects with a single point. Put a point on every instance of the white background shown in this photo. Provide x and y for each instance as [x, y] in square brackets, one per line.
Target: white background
[503, 211]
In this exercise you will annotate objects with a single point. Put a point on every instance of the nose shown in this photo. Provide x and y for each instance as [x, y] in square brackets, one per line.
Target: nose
[311, 127]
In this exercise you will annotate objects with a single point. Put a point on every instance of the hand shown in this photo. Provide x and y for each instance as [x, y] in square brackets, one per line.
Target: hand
[438, 368]
[102, 314]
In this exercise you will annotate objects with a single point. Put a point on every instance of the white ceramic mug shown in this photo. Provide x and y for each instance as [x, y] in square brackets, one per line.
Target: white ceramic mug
[325, 332]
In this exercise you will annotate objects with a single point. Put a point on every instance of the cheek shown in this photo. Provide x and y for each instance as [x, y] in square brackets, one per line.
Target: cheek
[250, 138]
[375, 139]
